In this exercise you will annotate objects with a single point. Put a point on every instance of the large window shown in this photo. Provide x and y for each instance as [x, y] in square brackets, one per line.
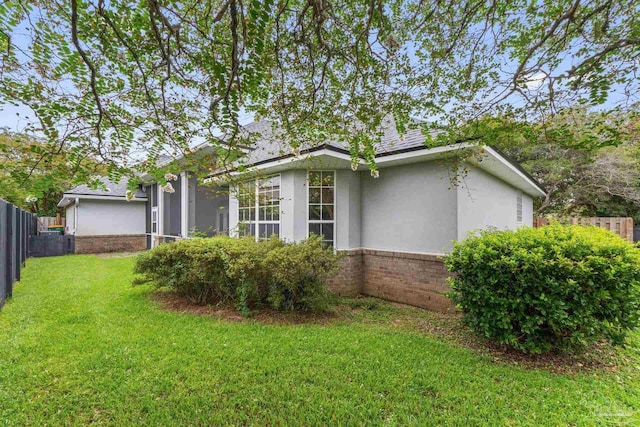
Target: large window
[259, 208]
[322, 205]
[247, 209]
[268, 207]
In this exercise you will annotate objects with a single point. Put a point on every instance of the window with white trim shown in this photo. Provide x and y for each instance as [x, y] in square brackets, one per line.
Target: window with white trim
[259, 208]
[321, 205]
[154, 219]
[247, 208]
[519, 208]
[268, 207]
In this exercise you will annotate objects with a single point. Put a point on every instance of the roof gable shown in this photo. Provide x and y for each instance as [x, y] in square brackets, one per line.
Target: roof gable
[114, 189]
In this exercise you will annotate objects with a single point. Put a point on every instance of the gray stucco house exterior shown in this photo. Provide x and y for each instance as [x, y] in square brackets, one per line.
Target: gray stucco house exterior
[393, 228]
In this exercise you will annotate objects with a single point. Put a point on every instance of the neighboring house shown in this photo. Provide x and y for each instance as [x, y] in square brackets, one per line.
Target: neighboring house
[103, 220]
[393, 228]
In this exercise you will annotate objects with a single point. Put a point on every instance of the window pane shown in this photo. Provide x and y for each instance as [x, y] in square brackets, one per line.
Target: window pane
[315, 179]
[276, 213]
[327, 196]
[154, 228]
[266, 231]
[246, 229]
[327, 213]
[327, 179]
[265, 182]
[327, 231]
[314, 195]
[314, 212]
[314, 229]
[275, 181]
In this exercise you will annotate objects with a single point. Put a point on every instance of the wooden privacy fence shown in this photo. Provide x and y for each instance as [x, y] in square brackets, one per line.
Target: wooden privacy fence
[623, 227]
[44, 222]
[16, 226]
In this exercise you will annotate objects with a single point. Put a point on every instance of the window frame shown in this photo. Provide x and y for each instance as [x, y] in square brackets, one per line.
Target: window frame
[154, 220]
[256, 222]
[241, 188]
[270, 205]
[335, 208]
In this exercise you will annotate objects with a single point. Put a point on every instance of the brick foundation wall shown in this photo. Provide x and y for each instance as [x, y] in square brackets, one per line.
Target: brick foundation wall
[348, 281]
[409, 278]
[110, 243]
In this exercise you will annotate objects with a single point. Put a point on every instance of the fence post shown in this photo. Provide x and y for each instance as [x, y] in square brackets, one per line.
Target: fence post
[24, 237]
[11, 244]
[3, 252]
[18, 239]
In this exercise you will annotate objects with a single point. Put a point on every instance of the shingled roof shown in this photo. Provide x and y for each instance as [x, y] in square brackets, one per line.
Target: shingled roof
[269, 146]
[113, 189]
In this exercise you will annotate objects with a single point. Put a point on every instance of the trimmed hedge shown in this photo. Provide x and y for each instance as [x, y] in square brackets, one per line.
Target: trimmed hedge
[549, 288]
[250, 274]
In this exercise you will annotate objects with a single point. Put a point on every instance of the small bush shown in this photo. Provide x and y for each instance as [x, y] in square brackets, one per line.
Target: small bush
[193, 268]
[298, 276]
[549, 288]
[247, 273]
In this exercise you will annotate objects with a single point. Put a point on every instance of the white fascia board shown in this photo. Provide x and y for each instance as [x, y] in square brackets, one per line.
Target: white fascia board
[97, 197]
[281, 164]
[537, 191]
[382, 161]
[301, 158]
[425, 153]
[66, 201]
[511, 175]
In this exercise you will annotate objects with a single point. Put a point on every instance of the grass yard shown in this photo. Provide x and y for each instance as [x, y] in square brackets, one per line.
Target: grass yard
[80, 345]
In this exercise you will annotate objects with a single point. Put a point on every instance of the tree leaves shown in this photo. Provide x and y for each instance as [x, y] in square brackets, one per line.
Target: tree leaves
[127, 82]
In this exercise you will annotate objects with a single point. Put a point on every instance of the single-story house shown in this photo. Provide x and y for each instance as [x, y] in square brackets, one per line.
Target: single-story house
[394, 227]
[102, 220]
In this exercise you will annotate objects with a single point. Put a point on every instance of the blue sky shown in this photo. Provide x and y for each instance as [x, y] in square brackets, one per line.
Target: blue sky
[15, 118]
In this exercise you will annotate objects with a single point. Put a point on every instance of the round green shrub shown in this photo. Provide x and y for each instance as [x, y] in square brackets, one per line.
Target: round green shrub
[550, 288]
[249, 274]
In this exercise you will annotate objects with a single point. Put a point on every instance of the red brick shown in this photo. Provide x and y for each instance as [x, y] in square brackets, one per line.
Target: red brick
[410, 278]
[110, 243]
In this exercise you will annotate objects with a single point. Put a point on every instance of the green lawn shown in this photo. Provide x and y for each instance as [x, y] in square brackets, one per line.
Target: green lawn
[79, 344]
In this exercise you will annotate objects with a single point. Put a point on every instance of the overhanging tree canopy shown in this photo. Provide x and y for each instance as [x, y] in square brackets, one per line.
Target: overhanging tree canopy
[117, 80]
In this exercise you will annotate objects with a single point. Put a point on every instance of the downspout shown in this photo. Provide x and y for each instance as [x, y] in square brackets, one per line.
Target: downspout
[76, 216]
[160, 206]
[184, 204]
